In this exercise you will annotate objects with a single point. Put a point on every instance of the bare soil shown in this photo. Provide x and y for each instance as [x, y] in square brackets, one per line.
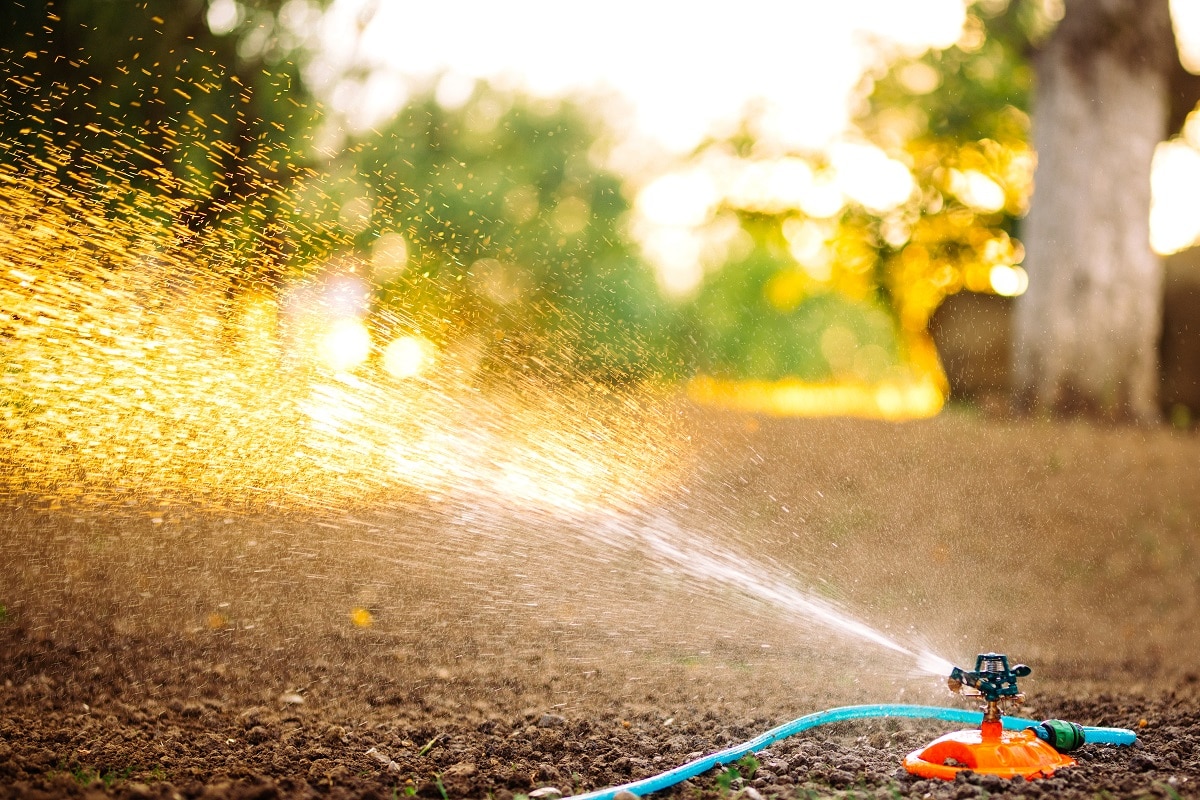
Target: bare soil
[159, 649]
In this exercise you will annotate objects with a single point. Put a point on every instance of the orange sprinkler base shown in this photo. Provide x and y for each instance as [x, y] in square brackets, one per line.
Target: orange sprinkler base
[988, 751]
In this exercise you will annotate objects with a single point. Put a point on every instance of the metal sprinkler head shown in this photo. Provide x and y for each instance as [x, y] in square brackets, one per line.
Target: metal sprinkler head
[990, 749]
[993, 680]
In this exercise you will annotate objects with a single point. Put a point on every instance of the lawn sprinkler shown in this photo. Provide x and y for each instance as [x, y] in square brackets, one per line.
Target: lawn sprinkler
[1032, 752]
[1003, 745]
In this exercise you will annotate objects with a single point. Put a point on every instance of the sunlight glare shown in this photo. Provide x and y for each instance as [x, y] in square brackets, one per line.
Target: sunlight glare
[769, 186]
[825, 199]
[679, 198]
[808, 243]
[1186, 17]
[223, 16]
[913, 397]
[407, 357]
[1008, 280]
[345, 345]
[869, 177]
[1175, 187]
[389, 257]
[800, 61]
[977, 190]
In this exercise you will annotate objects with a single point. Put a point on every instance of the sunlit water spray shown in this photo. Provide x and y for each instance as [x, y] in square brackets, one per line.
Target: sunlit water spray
[708, 563]
[134, 374]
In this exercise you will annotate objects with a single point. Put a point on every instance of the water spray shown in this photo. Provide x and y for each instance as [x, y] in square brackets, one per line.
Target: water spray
[1002, 745]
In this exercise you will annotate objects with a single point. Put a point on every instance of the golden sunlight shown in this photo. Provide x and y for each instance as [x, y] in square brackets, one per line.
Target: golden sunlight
[1008, 280]
[869, 177]
[915, 398]
[407, 356]
[230, 400]
[800, 62]
[389, 257]
[1175, 184]
[345, 345]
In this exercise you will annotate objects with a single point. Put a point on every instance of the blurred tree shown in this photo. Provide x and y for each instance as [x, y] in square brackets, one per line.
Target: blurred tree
[491, 223]
[1087, 330]
[488, 223]
[763, 316]
[959, 118]
[1109, 89]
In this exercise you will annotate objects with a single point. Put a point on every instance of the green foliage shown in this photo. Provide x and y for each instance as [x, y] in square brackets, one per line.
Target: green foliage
[3, 613]
[516, 239]
[960, 118]
[147, 94]
[505, 234]
[761, 317]
[728, 779]
[748, 765]
[977, 89]
[1170, 791]
[86, 776]
[736, 774]
[512, 236]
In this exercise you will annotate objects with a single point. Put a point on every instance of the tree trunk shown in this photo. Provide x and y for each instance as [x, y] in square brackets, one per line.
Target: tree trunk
[1087, 329]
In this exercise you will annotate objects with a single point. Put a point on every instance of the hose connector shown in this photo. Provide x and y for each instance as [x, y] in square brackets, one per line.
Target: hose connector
[1060, 734]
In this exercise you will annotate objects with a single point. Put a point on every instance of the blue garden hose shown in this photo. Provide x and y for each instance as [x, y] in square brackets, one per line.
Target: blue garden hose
[729, 755]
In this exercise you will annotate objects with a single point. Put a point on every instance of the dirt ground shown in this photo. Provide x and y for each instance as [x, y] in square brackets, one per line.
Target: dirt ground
[438, 647]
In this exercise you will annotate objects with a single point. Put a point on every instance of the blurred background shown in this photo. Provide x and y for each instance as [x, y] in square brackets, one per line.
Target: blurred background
[791, 207]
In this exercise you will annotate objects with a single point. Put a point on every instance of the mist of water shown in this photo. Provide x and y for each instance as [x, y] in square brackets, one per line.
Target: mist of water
[699, 559]
[114, 390]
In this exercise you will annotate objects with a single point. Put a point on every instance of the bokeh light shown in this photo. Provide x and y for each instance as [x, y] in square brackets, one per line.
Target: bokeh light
[346, 344]
[407, 357]
[1008, 280]
[1175, 183]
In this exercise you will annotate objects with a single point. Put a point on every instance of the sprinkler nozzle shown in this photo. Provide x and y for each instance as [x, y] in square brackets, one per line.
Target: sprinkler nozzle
[993, 680]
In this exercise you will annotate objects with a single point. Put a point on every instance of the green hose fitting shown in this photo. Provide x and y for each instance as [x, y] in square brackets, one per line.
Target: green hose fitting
[1063, 736]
